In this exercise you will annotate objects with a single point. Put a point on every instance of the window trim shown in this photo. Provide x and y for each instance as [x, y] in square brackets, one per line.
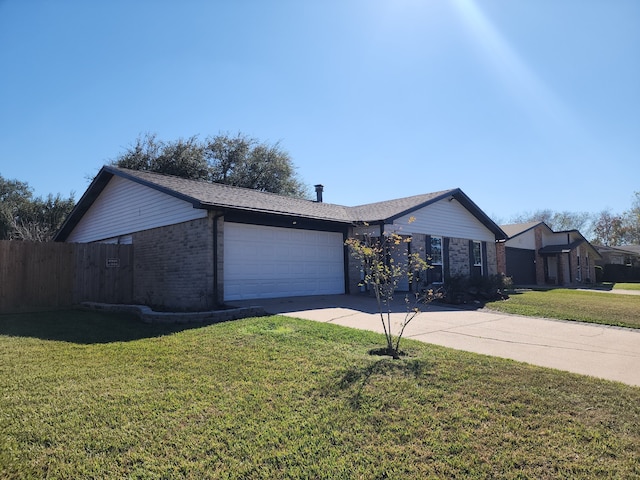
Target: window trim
[477, 260]
[439, 263]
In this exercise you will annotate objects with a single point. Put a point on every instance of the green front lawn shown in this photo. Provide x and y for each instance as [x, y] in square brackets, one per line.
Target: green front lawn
[626, 286]
[276, 397]
[565, 304]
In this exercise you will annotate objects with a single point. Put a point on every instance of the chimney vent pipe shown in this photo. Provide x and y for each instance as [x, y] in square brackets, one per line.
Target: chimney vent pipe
[319, 189]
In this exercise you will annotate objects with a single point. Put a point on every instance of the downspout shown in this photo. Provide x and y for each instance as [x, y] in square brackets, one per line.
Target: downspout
[215, 256]
[346, 261]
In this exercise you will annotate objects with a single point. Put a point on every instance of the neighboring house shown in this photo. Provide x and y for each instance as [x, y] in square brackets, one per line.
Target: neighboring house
[198, 244]
[619, 264]
[628, 255]
[534, 254]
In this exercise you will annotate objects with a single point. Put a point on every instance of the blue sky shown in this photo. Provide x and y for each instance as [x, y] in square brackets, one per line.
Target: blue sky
[524, 105]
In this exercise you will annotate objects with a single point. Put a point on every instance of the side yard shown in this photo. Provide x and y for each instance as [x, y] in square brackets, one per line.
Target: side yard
[92, 395]
[566, 304]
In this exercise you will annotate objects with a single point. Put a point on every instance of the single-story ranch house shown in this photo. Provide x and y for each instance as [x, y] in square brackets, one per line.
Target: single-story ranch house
[620, 263]
[536, 255]
[198, 244]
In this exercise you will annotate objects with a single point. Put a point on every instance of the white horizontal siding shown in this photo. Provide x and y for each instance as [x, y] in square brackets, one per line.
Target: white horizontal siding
[446, 219]
[526, 240]
[125, 207]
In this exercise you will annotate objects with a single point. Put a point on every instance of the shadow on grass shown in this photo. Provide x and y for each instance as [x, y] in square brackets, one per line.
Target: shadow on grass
[359, 377]
[84, 327]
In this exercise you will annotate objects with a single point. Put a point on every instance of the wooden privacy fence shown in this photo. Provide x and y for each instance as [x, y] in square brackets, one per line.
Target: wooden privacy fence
[37, 276]
[621, 273]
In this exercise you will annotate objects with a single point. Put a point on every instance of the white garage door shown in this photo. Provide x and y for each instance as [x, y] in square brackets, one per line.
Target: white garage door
[270, 262]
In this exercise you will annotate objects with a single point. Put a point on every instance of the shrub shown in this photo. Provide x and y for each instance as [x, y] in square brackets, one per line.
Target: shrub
[461, 289]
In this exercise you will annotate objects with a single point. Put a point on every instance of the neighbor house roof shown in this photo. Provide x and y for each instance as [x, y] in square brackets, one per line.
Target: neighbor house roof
[515, 229]
[215, 196]
[562, 248]
[630, 248]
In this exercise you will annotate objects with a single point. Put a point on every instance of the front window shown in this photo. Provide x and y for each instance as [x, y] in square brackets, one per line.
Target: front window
[477, 258]
[435, 255]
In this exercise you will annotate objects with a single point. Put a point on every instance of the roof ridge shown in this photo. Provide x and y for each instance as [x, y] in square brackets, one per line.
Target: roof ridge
[208, 182]
[431, 194]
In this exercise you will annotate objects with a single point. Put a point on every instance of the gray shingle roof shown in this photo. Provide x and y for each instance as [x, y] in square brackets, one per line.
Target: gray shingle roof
[517, 228]
[217, 196]
[391, 208]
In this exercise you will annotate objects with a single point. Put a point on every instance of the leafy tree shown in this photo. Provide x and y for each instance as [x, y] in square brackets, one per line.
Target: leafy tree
[14, 195]
[23, 217]
[572, 221]
[238, 160]
[384, 261]
[545, 216]
[558, 221]
[226, 156]
[608, 229]
[631, 220]
[182, 158]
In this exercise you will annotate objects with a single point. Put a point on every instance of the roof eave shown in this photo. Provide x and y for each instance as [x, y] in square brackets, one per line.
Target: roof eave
[98, 184]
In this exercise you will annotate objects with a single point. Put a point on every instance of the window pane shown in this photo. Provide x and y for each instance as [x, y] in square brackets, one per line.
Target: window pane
[436, 250]
[477, 253]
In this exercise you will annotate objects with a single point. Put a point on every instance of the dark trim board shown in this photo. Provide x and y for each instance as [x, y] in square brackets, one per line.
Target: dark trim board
[269, 220]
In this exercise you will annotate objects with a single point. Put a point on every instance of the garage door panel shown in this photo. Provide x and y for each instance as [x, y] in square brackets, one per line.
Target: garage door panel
[269, 262]
[521, 265]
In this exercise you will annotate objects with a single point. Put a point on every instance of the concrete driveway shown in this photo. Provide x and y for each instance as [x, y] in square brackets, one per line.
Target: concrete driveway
[607, 352]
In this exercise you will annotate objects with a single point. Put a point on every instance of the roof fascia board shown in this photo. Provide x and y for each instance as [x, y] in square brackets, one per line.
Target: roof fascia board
[283, 220]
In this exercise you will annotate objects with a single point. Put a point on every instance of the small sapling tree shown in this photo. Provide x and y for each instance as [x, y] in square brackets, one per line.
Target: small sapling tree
[384, 262]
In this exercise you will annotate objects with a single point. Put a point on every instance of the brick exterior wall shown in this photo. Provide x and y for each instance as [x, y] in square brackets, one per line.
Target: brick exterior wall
[492, 259]
[459, 257]
[501, 257]
[588, 272]
[173, 266]
[353, 270]
[217, 222]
